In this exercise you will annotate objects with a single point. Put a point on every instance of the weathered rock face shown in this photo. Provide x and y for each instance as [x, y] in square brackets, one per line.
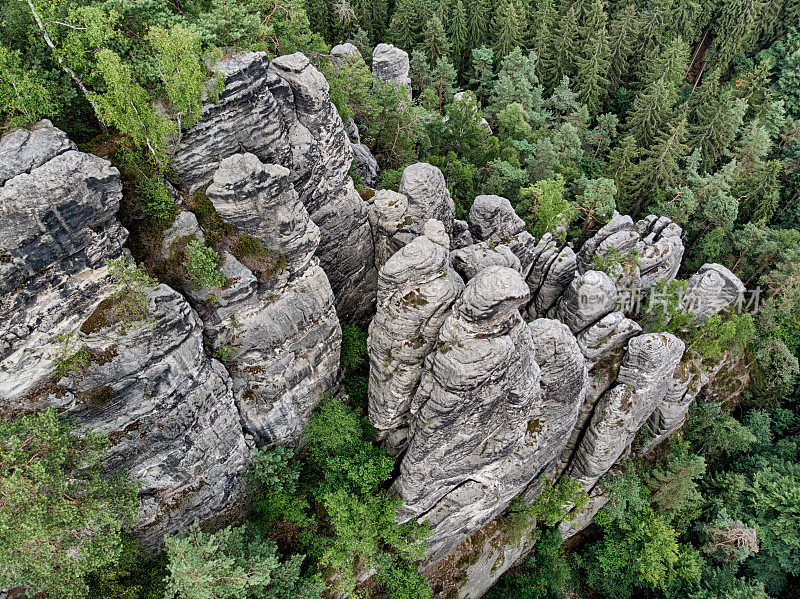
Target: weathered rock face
[398, 218]
[552, 270]
[600, 378]
[391, 64]
[365, 165]
[470, 260]
[57, 228]
[281, 112]
[416, 288]
[642, 383]
[493, 215]
[480, 379]
[424, 186]
[280, 329]
[167, 407]
[169, 411]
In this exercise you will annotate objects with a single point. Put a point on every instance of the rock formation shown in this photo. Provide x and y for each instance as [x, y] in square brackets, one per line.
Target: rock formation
[391, 64]
[398, 217]
[416, 288]
[281, 112]
[280, 328]
[471, 410]
[479, 404]
[167, 407]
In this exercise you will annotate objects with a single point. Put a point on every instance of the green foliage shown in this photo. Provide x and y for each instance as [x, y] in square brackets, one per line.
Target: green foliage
[155, 198]
[62, 516]
[201, 265]
[232, 563]
[354, 346]
[24, 96]
[128, 107]
[553, 503]
[70, 359]
[673, 484]
[545, 209]
[362, 531]
[131, 303]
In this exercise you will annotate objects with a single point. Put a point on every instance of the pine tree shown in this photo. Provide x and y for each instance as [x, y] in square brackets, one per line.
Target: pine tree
[517, 82]
[482, 72]
[371, 16]
[404, 28]
[661, 166]
[419, 71]
[507, 24]
[737, 27]
[716, 116]
[457, 32]
[321, 17]
[477, 23]
[653, 107]
[443, 80]
[622, 33]
[561, 48]
[622, 164]
[434, 40]
[592, 63]
[542, 21]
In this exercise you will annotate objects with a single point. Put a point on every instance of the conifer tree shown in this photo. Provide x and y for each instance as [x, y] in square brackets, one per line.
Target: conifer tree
[482, 72]
[371, 16]
[622, 34]
[321, 17]
[457, 31]
[737, 29]
[661, 166]
[477, 23]
[541, 23]
[404, 29]
[419, 71]
[653, 107]
[561, 48]
[443, 80]
[716, 116]
[507, 24]
[434, 40]
[592, 63]
[517, 82]
[622, 168]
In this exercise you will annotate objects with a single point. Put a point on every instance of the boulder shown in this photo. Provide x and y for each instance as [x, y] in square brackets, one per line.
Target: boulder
[710, 291]
[492, 215]
[391, 64]
[588, 298]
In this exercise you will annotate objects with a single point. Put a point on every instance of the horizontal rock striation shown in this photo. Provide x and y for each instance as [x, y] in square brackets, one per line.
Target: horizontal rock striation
[416, 288]
[167, 407]
[281, 112]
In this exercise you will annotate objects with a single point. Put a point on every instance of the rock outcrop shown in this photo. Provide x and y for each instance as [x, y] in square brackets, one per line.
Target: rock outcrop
[416, 288]
[279, 329]
[470, 411]
[281, 112]
[167, 407]
[398, 217]
[391, 64]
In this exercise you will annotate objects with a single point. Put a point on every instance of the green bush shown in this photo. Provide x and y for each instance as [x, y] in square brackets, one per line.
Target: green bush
[201, 264]
[155, 199]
